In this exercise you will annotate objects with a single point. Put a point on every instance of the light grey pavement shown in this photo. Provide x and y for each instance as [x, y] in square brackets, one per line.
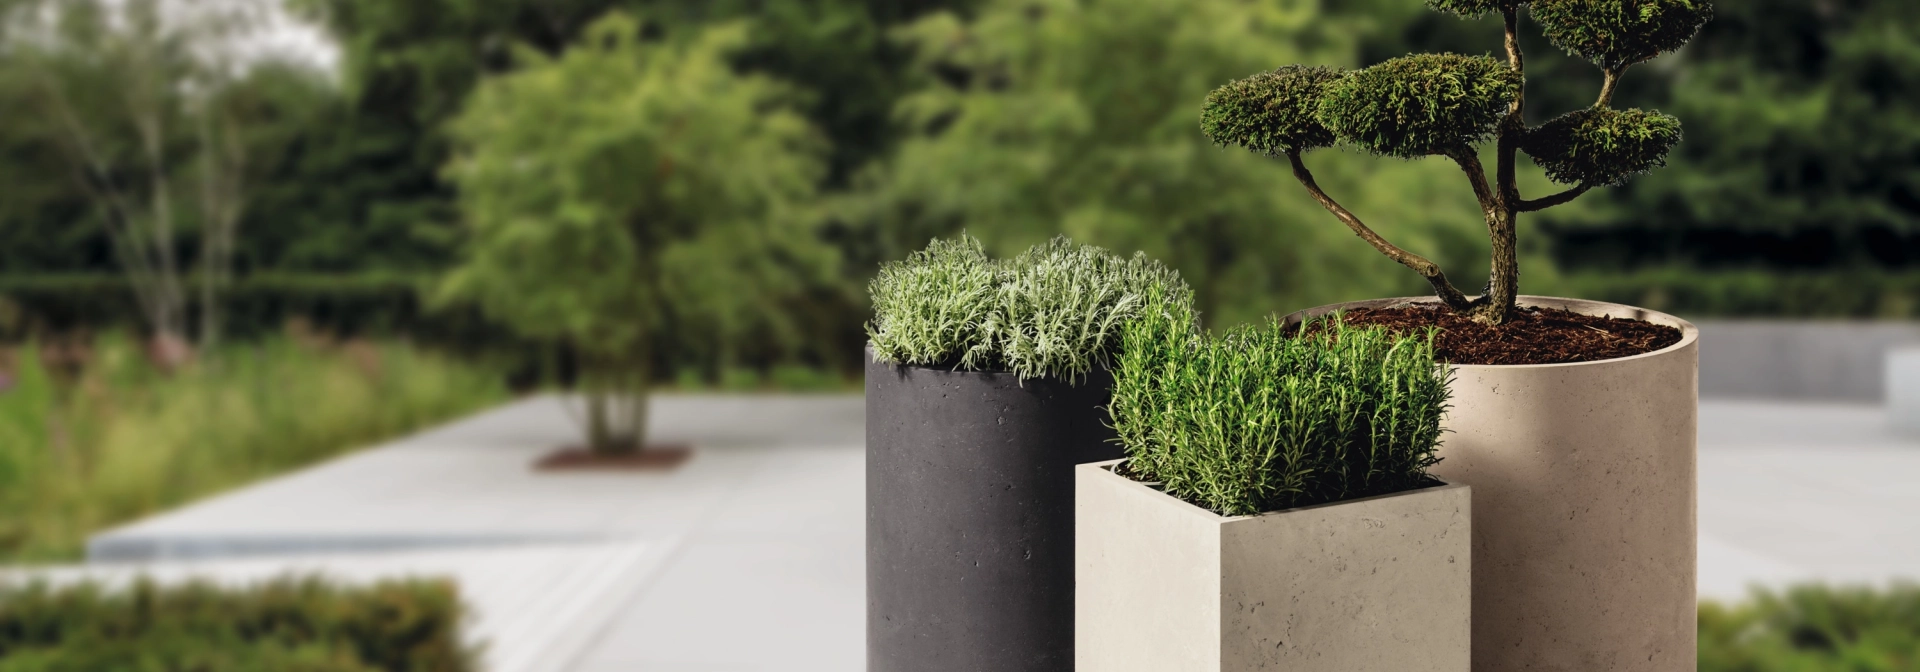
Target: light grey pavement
[760, 534]
[1805, 492]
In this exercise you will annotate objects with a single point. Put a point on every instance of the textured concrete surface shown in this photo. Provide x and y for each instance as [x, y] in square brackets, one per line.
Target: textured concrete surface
[1584, 479]
[970, 517]
[1374, 584]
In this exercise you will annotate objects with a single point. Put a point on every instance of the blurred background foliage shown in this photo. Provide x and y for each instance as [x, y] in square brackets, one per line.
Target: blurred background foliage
[1793, 194]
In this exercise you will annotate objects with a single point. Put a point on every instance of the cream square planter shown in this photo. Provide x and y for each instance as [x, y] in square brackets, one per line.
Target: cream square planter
[1381, 583]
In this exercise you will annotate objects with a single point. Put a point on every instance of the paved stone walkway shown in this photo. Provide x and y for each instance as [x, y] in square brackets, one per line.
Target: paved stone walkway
[760, 535]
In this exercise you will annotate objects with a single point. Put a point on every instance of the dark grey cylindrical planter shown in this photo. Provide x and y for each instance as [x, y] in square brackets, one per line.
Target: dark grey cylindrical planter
[970, 516]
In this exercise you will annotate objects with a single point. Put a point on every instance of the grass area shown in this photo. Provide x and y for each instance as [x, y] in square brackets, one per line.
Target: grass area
[82, 450]
[1814, 629]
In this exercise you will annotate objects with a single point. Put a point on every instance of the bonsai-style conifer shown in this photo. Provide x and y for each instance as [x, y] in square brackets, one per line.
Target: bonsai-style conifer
[1446, 104]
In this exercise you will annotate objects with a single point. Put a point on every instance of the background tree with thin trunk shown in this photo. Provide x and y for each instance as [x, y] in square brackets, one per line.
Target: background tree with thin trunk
[629, 190]
[1447, 105]
[160, 122]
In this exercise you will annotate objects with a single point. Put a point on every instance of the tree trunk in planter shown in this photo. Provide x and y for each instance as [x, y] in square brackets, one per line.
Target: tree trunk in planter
[970, 516]
[1584, 486]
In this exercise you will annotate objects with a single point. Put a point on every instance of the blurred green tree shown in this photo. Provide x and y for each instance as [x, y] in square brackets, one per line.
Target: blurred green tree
[631, 194]
[143, 133]
[1076, 117]
[1808, 157]
[408, 65]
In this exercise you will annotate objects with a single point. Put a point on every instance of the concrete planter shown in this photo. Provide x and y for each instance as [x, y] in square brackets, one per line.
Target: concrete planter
[970, 516]
[1380, 583]
[1584, 483]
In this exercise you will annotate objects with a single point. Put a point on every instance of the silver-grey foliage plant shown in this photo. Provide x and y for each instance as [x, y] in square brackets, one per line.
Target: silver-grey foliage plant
[1055, 310]
[1263, 419]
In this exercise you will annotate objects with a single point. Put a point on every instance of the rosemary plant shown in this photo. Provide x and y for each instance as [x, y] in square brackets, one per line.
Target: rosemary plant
[1261, 419]
[1055, 310]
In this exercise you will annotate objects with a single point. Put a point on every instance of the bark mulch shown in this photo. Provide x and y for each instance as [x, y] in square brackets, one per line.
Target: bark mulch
[1534, 336]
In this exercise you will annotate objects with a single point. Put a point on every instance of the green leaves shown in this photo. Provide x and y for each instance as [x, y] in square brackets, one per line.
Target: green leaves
[1470, 9]
[632, 191]
[1259, 419]
[1420, 105]
[1271, 113]
[1056, 310]
[1618, 33]
[1600, 146]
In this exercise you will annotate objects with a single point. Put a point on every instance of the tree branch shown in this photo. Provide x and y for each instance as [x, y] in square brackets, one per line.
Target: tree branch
[1506, 156]
[1561, 198]
[1469, 162]
[1606, 88]
[1427, 269]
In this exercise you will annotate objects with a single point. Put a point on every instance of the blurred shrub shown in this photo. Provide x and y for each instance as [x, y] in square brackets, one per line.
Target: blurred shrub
[1697, 293]
[91, 435]
[286, 625]
[1814, 629]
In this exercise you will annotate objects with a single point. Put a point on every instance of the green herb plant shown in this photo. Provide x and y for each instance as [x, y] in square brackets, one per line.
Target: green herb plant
[1445, 104]
[1262, 418]
[1055, 310]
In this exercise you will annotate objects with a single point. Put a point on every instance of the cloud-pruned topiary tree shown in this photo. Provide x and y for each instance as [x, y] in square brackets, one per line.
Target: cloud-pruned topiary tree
[1446, 104]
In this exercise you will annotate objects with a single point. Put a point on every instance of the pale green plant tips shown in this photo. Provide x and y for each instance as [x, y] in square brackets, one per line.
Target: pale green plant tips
[1261, 419]
[1055, 310]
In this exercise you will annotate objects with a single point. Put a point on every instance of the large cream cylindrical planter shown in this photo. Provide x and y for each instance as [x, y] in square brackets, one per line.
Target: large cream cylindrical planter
[1583, 479]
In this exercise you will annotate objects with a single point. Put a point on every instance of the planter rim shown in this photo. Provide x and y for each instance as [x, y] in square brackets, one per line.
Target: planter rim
[1689, 334]
[1105, 471]
[868, 347]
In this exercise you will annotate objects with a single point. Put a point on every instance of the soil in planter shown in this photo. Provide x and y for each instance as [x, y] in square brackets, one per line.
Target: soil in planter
[1534, 336]
[652, 458]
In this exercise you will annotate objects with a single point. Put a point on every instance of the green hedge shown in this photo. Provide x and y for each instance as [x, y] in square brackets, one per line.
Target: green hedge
[1694, 293]
[288, 625]
[1814, 629]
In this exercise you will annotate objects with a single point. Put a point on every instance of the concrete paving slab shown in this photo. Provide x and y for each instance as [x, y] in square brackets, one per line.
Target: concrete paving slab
[469, 484]
[1800, 492]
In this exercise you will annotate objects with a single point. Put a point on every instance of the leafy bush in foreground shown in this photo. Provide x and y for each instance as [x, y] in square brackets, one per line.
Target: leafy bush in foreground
[286, 625]
[1814, 629]
[1261, 419]
[1055, 310]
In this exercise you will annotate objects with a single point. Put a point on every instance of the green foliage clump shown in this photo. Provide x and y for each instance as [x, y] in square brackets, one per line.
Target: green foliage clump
[1272, 112]
[1420, 105]
[1602, 146]
[1471, 9]
[1619, 33]
[1263, 419]
[287, 625]
[1055, 310]
[1814, 629]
